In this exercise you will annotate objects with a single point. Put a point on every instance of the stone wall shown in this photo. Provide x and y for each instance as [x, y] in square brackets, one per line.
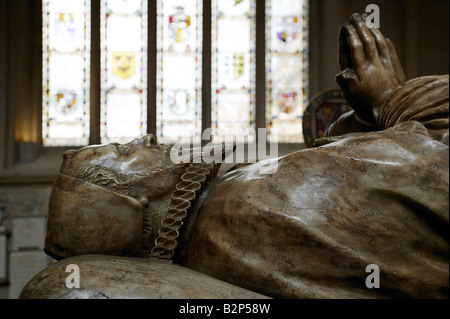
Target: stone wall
[26, 207]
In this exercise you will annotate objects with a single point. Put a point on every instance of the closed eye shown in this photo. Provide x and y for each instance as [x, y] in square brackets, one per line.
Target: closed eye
[122, 149]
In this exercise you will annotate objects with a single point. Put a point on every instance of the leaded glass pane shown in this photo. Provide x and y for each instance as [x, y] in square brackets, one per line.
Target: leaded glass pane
[179, 69]
[286, 67]
[65, 72]
[123, 70]
[233, 66]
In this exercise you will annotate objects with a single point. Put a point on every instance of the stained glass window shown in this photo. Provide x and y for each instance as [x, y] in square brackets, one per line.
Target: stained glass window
[286, 67]
[66, 72]
[123, 70]
[179, 69]
[124, 67]
[233, 41]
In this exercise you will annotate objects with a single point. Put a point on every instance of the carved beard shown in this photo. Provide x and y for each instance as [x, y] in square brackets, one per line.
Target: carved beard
[157, 187]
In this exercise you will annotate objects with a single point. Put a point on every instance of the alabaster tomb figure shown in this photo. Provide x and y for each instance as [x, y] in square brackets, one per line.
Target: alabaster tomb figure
[374, 191]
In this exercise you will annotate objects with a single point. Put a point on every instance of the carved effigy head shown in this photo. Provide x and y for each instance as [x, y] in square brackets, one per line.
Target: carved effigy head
[122, 199]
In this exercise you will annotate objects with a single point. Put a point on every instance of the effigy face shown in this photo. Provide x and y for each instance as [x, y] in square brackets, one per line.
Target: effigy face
[108, 198]
[128, 169]
[125, 200]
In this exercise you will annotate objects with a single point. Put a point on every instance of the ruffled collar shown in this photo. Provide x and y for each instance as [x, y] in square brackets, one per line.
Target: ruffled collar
[183, 199]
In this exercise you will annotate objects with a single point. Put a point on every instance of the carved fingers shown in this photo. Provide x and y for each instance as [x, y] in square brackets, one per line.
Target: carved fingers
[366, 46]
[369, 67]
[365, 37]
[345, 55]
[370, 47]
[347, 80]
[381, 43]
[349, 83]
[358, 57]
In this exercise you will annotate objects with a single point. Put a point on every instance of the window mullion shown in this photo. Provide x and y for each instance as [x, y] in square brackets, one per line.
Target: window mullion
[94, 137]
[152, 68]
[206, 67]
[260, 81]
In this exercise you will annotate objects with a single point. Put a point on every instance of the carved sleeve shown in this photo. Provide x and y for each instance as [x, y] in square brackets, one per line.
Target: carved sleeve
[423, 99]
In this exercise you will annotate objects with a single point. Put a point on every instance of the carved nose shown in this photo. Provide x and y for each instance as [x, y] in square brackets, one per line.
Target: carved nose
[149, 140]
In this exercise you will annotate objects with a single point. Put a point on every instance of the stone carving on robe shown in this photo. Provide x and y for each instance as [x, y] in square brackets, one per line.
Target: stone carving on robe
[374, 191]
